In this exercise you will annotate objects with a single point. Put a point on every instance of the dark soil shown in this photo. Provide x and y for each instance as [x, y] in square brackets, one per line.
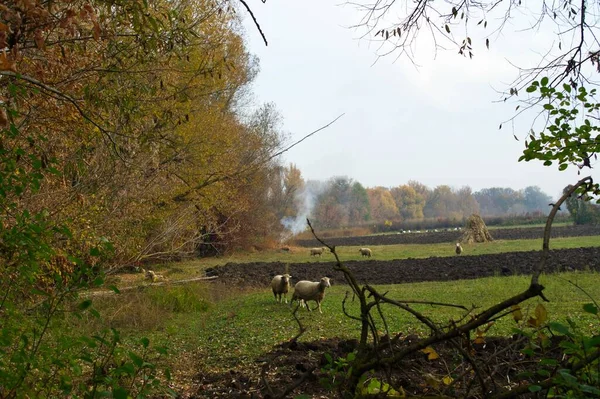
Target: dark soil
[413, 270]
[305, 366]
[452, 236]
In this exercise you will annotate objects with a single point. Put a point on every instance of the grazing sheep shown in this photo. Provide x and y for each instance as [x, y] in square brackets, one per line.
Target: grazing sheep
[458, 248]
[365, 252]
[310, 291]
[317, 251]
[150, 275]
[280, 286]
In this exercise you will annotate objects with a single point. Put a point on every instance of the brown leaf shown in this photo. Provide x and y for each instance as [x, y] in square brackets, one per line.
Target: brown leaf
[532, 322]
[97, 30]
[39, 39]
[3, 118]
[7, 63]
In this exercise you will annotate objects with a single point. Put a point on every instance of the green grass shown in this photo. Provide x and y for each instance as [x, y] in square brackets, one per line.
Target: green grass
[380, 252]
[236, 331]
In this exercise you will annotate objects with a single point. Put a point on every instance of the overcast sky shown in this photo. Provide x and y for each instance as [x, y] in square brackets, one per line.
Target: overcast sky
[436, 123]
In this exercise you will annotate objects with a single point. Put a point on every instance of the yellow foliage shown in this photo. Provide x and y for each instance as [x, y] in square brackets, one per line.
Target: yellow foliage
[516, 312]
[541, 314]
[431, 353]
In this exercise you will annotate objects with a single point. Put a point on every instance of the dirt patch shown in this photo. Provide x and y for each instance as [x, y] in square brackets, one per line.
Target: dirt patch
[310, 365]
[413, 270]
[451, 236]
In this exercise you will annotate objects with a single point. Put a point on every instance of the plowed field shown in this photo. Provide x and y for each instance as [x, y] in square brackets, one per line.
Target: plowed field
[413, 270]
[452, 236]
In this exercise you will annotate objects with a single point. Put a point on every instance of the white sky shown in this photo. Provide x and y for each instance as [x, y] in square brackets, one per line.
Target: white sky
[436, 124]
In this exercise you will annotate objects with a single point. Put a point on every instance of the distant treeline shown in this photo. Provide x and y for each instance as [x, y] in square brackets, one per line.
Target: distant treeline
[343, 202]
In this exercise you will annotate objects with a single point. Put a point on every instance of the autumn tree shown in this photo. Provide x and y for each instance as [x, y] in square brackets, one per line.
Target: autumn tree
[441, 203]
[383, 206]
[410, 203]
[122, 140]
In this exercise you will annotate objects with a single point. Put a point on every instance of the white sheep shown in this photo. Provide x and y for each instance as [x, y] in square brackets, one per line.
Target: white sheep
[310, 291]
[365, 252]
[280, 286]
[458, 248]
[150, 275]
[317, 251]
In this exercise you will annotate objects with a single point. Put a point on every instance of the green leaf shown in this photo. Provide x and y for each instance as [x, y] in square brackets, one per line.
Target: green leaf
[534, 388]
[138, 361]
[548, 362]
[120, 393]
[567, 87]
[560, 328]
[544, 81]
[531, 89]
[95, 251]
[114, 288]
[145, 342]
[590, 308]
[85, 304]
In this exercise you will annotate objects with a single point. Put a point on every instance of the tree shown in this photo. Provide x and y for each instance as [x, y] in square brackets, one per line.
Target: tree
[121, 141]
[410, 203]
[441, 203]
[496, 201]
[466, 202]
[359, 207]
[582, 210]
[383, 206]
[535, 200]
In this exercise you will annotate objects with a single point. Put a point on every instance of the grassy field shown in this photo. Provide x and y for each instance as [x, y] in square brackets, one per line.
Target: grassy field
[228, 329]
[383, 252]
[210, 326]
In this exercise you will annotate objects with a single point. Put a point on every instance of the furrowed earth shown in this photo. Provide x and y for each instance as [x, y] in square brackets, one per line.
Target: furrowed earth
[305, 361]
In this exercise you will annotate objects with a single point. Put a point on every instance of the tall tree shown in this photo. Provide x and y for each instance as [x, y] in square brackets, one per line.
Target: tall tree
[383, 206]
[410, 203]
[535, 200]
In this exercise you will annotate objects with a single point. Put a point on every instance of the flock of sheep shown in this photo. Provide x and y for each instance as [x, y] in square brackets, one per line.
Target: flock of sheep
[304, 290]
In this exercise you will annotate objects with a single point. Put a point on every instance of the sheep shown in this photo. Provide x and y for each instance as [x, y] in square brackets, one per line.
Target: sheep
[365, 252]
[280, 286]
[150, 275]
[317, 251]
[310, 291]
[458, 248]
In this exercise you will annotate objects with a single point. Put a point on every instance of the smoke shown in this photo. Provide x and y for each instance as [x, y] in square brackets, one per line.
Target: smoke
[305, 200]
